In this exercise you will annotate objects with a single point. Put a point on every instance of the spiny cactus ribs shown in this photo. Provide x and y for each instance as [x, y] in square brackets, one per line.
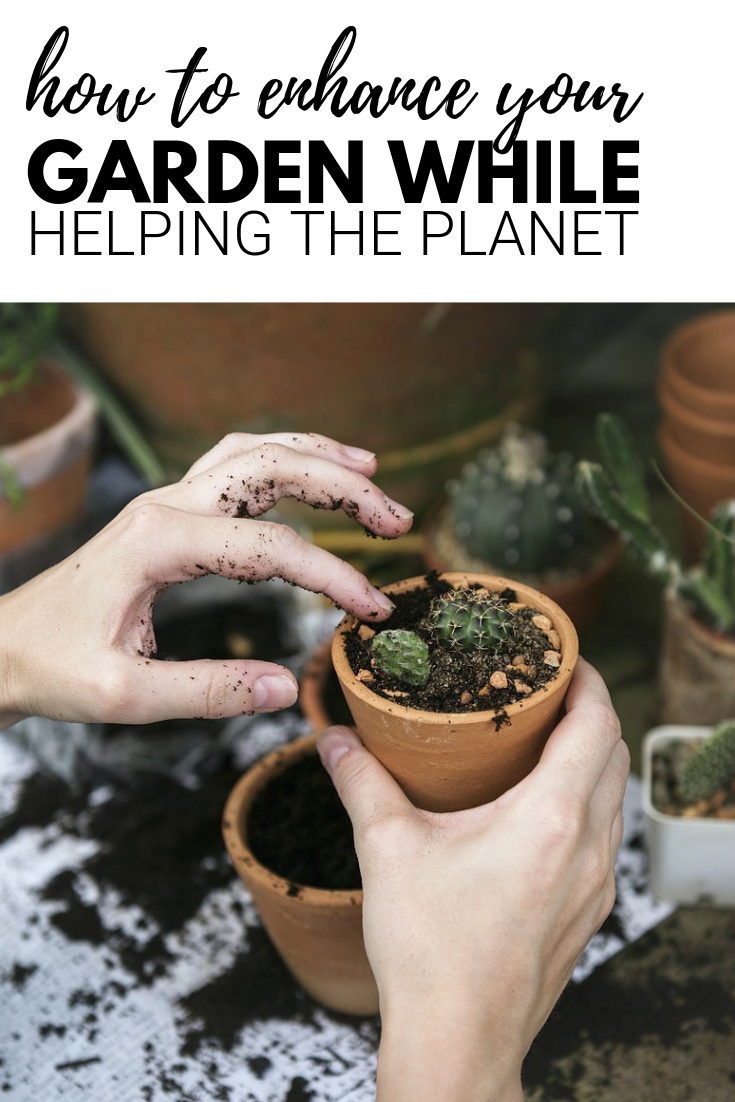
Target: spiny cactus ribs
[617, 492]
[711, 766]
[517, 506]
[468, 619]
[402, 655]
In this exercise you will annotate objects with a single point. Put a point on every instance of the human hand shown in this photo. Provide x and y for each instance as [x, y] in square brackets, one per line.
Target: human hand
[475, 919]
[77, 642]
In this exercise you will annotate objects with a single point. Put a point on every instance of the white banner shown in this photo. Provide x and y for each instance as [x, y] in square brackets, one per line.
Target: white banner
[393, 151]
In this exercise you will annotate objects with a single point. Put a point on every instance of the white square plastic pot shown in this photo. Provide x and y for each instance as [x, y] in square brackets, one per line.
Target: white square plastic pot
[690, 860]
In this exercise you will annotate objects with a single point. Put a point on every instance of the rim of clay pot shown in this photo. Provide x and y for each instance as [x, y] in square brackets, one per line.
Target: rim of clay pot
[312, 684]
[677, 412]
[36, 456]
[525, 594]
[234, 816]
[717, 472]
[613, 552]
[699, 330]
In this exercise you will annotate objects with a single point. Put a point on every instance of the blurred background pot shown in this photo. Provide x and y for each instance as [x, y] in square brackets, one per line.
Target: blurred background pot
[698, 363]
[702, 485]
[697, 672]
[46, 439]
[426, 384]
[708, 439]
[447, 762]
[317, 933]
[321, 699]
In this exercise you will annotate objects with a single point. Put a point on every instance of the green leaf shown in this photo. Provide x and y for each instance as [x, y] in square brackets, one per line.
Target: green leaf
[623, 464]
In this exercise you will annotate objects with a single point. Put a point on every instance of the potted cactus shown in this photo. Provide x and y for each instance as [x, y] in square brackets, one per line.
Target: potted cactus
[458, 690]
[516, 509]
[689, 808]
[46, 429]
[696, 679]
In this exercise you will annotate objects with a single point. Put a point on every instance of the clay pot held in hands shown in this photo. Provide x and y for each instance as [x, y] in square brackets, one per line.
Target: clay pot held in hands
[446, 762]
[318, 933]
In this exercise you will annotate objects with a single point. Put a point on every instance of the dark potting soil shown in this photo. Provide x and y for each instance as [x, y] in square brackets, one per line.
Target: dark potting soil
[299, 829]
[459, 680]
[225, 631]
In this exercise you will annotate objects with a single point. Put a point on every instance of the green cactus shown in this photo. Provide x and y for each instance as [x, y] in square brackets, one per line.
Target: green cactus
[711, 766]
[616, 490]
[517, 506]
[402, 655]
[466, 619]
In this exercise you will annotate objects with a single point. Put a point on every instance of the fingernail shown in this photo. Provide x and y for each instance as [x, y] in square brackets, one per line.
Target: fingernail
[274, 691]
[334, 744]
[381, 599]
[397, 509]
[358, 454]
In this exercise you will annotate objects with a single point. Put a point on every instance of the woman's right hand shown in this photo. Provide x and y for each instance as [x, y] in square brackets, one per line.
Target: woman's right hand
[475, 919]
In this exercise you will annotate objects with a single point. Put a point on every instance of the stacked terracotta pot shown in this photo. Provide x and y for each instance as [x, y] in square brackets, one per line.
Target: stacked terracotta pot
[697, 395]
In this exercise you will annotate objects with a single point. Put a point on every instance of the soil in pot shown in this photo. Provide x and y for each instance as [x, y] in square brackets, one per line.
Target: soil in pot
[462, 681]
[667, 768]
[299, 829]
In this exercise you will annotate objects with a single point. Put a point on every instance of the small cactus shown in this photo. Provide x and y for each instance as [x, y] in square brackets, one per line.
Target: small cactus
[517, 506]
[616, 491]
[711, 766]
[402, 655]
[466, 619]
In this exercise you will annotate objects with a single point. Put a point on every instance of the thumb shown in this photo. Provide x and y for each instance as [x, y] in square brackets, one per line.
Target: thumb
[365, 787]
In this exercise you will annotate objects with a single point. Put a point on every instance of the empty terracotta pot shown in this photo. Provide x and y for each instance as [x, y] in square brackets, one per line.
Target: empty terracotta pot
[447, 762]
[703, 437]
[317, 933]
[46, 438]
[581, 596]
[698, 365]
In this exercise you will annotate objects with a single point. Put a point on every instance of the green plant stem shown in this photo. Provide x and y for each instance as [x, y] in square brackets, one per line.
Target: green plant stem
[122, 426]
[13, 489]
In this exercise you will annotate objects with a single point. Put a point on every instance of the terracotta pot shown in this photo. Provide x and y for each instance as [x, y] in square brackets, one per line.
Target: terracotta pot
[702, 485]
[701, 354]
[697, 671]
[199, 370]
[313, 689]
[317, 933]
[581, 597]
[704, 438]
[449, 762]
[46, 436]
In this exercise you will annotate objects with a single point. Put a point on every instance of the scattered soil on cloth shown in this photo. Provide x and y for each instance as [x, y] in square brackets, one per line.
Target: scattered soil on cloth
[299, 829]
[460, 680]
[666, 770]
